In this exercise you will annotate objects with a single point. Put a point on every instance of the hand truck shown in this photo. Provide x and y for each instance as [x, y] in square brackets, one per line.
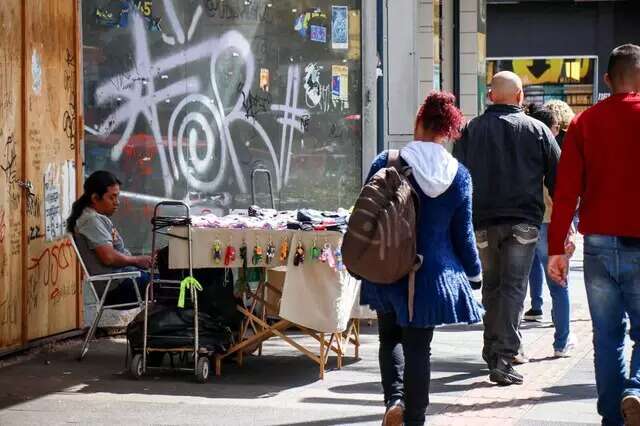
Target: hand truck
[139, 362]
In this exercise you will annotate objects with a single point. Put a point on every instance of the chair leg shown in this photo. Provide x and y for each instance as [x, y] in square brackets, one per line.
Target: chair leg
[137, 290]
[92, 330]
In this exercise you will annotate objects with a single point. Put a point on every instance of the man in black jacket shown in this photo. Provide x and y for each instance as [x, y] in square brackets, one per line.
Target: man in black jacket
[509, 155]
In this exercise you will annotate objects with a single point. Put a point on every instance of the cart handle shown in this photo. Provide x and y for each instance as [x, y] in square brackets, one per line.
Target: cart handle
[171, 203]
[254, 172]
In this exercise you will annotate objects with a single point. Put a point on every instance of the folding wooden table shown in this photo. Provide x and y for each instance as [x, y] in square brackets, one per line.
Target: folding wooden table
[314, 298]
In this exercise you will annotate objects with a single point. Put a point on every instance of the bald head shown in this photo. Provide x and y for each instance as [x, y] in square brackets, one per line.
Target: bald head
[506, 88]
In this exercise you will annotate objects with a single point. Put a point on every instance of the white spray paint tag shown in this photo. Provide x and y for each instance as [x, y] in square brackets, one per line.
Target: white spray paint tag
[36, 72]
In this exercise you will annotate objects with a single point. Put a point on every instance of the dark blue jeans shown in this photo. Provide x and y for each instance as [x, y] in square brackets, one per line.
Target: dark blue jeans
[506, 252]
[561, 308]
[405, 366]
[612, 278]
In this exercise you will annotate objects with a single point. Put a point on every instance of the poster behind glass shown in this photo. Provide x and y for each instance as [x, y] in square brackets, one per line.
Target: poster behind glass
[572, 79]
[184, 98]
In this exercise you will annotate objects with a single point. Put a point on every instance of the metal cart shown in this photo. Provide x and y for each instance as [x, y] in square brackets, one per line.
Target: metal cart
[139, 361]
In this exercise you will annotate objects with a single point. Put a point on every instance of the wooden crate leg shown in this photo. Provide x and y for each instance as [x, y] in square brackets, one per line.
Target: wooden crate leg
[340, 354]
[218, 366]
[357, 337]
[322, 358]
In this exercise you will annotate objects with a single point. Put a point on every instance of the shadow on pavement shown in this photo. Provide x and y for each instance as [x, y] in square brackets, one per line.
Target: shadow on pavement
[340, 421]
[103, 370]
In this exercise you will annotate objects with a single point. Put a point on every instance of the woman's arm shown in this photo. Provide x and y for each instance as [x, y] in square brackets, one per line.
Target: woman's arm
[378, 163]
[111, 257]
[463, 237]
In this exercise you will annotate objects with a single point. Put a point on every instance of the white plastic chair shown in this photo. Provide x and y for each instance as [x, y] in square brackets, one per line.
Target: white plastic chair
[90, 280]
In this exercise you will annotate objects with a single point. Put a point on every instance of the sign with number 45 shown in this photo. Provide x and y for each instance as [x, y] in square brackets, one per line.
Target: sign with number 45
[144, 7]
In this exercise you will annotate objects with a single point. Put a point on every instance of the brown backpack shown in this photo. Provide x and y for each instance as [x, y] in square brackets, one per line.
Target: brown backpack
[380, 243]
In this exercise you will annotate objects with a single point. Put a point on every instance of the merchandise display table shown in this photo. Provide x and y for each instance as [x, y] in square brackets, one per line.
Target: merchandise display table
[312, 296]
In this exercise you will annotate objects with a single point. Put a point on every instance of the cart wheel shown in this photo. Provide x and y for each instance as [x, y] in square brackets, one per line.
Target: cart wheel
[135, 368]
[202, 369]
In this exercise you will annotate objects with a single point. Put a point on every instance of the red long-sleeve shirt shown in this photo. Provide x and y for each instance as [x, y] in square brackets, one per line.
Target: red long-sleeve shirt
[600, 165]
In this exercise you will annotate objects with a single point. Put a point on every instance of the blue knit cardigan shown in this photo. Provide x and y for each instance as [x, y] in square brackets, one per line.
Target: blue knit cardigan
[447, 242]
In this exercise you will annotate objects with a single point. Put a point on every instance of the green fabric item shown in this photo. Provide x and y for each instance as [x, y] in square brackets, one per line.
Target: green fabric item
[186, 284]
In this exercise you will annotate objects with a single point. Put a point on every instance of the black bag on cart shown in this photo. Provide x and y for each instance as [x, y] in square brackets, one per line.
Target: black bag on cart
[173, 327]
[216, 298]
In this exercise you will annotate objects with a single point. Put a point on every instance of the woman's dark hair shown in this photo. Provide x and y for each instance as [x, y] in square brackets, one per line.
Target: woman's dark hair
[98, 183]
[542, 113]
[439, 114]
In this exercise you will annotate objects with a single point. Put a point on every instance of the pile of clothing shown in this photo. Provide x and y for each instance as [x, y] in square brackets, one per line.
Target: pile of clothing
[257, 218]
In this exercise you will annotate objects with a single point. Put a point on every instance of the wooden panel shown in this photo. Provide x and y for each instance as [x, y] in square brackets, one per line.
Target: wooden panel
[11, 142]
[51, 88]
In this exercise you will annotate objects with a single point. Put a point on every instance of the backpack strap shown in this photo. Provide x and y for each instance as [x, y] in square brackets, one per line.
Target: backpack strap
[393, 159]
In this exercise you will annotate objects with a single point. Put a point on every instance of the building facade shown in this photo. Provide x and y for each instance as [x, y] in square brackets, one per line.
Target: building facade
[184, 99]
[561, 49]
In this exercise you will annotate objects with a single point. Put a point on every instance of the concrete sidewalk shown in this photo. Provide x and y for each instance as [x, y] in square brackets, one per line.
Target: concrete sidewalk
[281, 387]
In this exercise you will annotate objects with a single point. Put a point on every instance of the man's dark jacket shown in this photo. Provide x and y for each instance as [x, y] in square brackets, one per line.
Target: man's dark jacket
[509, 154]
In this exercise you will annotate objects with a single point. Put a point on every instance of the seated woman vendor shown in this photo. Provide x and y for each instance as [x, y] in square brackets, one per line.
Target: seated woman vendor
[99, 242]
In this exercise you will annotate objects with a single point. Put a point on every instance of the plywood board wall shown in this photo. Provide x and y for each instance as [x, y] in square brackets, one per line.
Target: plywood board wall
[50, 133]
[11, 145]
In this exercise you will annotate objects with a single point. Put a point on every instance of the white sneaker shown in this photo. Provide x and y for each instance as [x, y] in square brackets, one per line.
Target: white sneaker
[569, 347]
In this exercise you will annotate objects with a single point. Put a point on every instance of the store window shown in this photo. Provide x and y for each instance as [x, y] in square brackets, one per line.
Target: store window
[571, 79]
[185, 98]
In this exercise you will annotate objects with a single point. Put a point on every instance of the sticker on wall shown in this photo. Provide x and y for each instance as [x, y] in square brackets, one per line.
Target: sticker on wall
[264, 79]
[68, 186]
[318, 33]
[340, 85]
[312, 84]
[36, 72]
[52, 204]
[339, 27]
[109, 19]
[301, 25]
[310, 19]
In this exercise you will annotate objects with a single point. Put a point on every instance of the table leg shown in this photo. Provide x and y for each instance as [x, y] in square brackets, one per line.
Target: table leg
[322, 358]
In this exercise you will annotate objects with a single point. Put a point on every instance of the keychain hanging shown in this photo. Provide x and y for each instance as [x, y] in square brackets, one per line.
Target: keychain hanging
[284, 251]
[230, 255]
[243, 254]
[315, 251]
[338, 257]
[298, 258]
[217, 252]
[270, 253]
[327, 256]
[257, 253]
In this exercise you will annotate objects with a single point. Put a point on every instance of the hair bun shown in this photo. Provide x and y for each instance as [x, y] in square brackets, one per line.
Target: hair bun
[439, 114]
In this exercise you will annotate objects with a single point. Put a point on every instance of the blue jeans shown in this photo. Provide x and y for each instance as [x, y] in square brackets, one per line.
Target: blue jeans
[561, 308]
[612, 278]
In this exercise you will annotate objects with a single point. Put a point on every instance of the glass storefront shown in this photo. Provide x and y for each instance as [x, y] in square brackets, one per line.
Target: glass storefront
[572, 80]
[184, 98]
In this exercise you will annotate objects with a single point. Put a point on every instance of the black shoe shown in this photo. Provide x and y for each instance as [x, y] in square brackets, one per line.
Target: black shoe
[533, 315]
[394, 416]
[504, 374]
[491, 360]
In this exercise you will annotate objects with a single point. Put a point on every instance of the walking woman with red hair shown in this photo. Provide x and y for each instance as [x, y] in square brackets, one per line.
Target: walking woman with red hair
[445, 239]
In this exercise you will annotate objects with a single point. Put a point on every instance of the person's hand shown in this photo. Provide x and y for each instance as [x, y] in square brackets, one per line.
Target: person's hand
[569, 247]
[558, 268]
[144, 262]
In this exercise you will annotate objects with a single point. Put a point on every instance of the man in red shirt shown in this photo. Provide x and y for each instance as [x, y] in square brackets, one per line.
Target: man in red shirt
[600, 165]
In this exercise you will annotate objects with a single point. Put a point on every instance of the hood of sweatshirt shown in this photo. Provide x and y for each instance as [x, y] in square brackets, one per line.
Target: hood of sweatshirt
[433, 167]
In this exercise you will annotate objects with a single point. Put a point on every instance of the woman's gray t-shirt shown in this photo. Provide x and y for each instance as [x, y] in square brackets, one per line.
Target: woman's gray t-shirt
[93, 230]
